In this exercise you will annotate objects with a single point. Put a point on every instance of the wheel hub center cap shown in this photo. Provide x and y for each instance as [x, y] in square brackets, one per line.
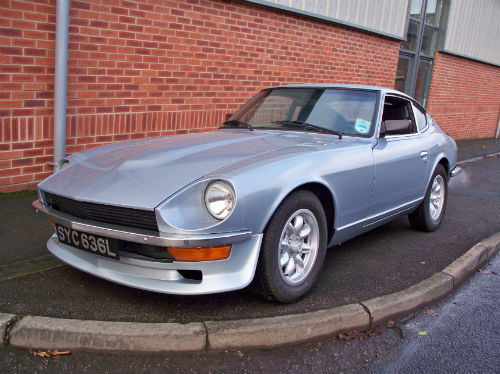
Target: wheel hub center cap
[295, 246]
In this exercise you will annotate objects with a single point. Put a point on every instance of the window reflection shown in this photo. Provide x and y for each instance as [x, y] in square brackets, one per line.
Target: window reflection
[433, 12]
[346, 111]
[417, 51]
[412, 37]
[416, 8]
[429, 41]
[403, 74]
[423, 81]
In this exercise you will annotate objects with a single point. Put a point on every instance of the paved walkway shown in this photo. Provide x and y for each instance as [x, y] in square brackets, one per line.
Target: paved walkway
[472, 148]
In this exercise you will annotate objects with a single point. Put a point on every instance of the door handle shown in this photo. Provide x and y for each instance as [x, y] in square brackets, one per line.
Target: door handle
[424, 155]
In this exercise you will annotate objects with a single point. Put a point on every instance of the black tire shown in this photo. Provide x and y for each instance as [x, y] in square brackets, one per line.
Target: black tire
[426, 217]
[271, 278]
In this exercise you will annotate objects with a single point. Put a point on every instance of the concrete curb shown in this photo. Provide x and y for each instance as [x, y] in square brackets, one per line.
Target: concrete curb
[464, 266]
[54, 333]
[282, 330]
[474, 159]
[400, 303]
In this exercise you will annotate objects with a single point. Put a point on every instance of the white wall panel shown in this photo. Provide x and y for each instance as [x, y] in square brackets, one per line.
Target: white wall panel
[474, 30]
[386, 17]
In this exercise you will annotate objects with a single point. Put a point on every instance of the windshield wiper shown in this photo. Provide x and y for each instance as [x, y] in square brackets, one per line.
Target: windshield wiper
[308, 126]
[236, 123]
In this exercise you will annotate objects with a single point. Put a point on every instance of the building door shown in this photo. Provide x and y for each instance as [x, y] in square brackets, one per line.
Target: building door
[416, 57]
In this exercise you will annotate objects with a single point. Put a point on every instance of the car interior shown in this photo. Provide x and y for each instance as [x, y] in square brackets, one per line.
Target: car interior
[398, 117]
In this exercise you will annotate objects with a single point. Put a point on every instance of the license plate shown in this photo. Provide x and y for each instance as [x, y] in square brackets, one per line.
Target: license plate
[99, 245]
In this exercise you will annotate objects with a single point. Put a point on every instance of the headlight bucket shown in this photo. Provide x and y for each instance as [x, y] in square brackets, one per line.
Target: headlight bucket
[220, 199]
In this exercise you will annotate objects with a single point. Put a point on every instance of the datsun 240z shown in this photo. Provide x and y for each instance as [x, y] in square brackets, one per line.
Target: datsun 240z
[296, 170]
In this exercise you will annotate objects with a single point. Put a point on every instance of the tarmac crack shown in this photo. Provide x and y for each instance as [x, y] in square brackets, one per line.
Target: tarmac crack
[369, 315]
[28, 266]
[206, 335]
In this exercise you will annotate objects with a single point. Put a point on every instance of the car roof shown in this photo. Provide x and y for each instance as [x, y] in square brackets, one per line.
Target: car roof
[352, 86]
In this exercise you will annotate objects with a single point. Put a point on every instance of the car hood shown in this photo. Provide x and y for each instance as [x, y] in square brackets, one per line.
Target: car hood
[141, 174]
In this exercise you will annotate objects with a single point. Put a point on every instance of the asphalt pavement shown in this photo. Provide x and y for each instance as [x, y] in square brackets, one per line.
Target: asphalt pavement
[385, 260]
[459, 335]
[473, 148]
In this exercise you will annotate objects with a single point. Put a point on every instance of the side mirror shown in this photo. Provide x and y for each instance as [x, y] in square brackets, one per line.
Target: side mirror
[396, 127]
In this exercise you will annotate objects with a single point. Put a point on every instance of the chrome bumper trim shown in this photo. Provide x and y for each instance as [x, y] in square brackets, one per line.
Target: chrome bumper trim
[142, 236]
[456, 171]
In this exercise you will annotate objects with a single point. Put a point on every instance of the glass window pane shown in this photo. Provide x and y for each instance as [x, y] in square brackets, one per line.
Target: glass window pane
[277, 105]
[420, 118]
[423, 81]
[433, 12]
[343, 110]
[416, 8]
[429, 41]
[403, 74]
[347, 111]
[411, 38]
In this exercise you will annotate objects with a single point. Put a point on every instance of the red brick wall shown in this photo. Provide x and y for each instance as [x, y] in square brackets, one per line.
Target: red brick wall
[465, 96]
[137, 69]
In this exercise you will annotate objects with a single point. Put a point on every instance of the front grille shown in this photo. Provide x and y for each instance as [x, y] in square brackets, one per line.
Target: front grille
[143, 219]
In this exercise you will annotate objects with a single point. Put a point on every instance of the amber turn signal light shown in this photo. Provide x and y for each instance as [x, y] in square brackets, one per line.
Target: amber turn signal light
[200, 254]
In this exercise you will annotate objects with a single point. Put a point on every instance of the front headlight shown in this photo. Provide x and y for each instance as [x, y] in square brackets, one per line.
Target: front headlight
[220, 199]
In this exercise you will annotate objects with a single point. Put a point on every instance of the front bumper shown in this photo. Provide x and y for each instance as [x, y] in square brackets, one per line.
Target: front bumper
[233, 273]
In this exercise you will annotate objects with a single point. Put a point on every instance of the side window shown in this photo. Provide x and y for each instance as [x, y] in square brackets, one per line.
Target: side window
[420, 118]
[398, 116]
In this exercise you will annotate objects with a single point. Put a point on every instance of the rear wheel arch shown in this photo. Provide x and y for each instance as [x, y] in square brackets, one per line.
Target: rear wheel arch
[446, 165]
[430, 213]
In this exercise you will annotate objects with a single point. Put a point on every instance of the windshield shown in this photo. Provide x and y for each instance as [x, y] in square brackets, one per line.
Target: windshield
[335, 110]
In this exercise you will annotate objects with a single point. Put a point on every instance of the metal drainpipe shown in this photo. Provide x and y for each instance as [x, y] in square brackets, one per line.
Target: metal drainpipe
[61, 68]
[498, 128]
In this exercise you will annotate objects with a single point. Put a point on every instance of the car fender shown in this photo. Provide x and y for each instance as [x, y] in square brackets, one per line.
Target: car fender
[299, 184]
[260, 204]
[262, 185]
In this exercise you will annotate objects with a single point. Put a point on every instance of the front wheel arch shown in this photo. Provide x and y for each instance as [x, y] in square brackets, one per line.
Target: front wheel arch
[326, 198]
[270, 279]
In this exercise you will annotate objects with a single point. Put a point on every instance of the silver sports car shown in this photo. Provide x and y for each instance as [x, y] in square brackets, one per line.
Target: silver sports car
[296, 170]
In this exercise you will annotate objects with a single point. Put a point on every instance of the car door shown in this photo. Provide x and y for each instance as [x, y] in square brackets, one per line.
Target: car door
[401, 161]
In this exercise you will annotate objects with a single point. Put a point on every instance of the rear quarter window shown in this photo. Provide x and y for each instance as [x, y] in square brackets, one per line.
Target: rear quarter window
[420, 118]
